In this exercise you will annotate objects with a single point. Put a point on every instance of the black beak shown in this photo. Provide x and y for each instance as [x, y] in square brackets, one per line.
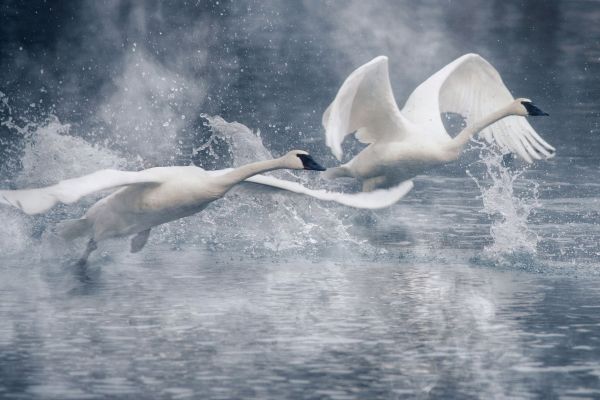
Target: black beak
[532, 109]
[309, 163]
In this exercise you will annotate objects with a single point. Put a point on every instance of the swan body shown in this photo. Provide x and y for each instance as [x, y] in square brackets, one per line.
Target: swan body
[144, 199]
[405, 143]
[176, 192]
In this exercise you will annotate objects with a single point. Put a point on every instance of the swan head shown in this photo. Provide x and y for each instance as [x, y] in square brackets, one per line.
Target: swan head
[299, 159]
[526, 108]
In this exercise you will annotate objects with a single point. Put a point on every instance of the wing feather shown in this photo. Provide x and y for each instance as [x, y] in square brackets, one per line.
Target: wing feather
[379, 198]
[364, 103]
[36, 201]
[471, 86]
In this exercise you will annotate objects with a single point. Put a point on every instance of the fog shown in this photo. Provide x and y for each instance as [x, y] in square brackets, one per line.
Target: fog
[136, 75]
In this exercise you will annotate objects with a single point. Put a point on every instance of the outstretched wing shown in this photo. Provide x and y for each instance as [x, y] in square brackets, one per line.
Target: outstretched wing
[471, 87]
[36, 201]
[380, 198]
[365, 103]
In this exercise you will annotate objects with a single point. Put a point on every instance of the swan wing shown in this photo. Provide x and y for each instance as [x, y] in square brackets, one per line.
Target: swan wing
[365, 103]
[36, 201]
[471, 86]
[380, 198]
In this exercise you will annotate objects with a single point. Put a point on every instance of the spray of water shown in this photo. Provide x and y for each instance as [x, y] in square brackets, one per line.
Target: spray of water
[508, 199]
[284, 222]
[251, 218]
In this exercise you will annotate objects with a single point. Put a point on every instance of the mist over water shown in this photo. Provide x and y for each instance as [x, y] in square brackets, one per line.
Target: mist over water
[481, 282]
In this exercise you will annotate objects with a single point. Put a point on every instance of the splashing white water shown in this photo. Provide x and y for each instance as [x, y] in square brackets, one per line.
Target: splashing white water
[508, 199]
[49, 154]
[250, 218]
[262, 219]
[53, 154]
[245, 146]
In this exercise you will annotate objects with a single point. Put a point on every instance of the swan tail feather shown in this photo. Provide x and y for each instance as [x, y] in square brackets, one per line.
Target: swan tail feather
[379, 198]
[73, 228]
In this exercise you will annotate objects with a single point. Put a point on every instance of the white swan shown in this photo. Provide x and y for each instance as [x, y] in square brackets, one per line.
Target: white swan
[403, 144]
[157, 195]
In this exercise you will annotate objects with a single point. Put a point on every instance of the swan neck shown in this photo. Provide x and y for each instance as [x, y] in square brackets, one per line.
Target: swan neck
[246, 171]
[466, 134]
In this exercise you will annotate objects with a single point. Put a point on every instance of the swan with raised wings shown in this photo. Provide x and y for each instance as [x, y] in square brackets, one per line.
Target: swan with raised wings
[405, 143]
[154, 196]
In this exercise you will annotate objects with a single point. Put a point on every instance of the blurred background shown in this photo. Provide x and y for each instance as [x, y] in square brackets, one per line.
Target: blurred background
[135, 76]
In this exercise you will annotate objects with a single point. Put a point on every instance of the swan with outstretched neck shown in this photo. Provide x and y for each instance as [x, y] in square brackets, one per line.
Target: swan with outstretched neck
[154, 196]
[405, 143]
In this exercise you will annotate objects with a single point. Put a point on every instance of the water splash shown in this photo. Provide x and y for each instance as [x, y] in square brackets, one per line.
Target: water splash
[255, 219]
[53, 154]
[245, 145]
[49, 154]
[508, 199]
[283, 222]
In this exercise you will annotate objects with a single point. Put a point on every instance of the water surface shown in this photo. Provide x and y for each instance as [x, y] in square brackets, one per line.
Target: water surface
[481, 283]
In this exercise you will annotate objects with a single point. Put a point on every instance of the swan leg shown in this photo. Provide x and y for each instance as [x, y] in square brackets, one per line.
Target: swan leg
[91, 246]
[139, 241]
[373, 183]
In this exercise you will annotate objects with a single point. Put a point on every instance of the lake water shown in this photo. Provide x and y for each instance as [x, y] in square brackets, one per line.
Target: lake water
[178, 324]
[484, 282]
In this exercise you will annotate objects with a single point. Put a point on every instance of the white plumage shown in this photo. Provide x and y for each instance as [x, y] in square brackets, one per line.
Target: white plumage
[155, 196]
[404, 143]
